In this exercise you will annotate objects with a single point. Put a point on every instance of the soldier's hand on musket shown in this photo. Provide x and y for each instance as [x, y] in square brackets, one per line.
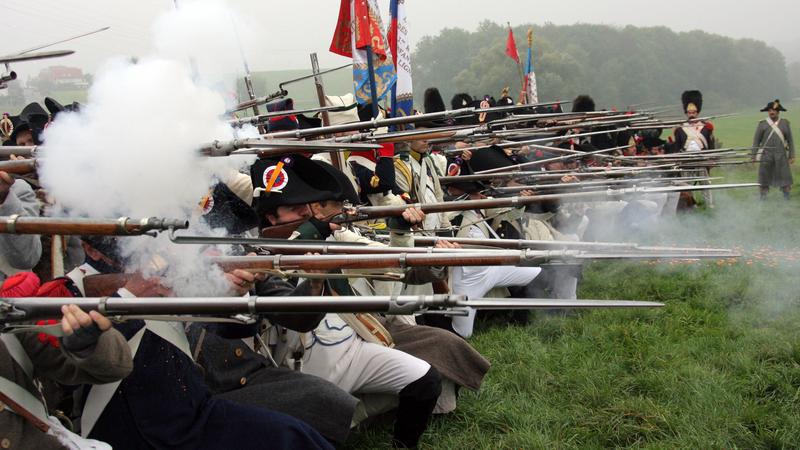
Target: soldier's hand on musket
[447, 244]
[5, 185]
[14, 157]
[569, 179]
[414, 216]
[76, 321]
[241, 280]
[791, 161]
[146, 287]
[527, 193]
[466, 155]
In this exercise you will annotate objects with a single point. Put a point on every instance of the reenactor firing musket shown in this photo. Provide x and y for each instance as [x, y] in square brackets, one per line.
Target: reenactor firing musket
[27, 309]
[123, 226]
[358, 213]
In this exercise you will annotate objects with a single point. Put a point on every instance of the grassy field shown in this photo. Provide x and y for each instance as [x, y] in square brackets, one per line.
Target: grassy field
[718, 367]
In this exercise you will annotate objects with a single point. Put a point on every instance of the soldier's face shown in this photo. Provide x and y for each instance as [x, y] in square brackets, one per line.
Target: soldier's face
[288, 214]
[25, 138]
[692, 114]
[774, 114]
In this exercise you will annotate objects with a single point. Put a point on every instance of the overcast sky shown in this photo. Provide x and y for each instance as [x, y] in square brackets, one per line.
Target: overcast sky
[291, 29]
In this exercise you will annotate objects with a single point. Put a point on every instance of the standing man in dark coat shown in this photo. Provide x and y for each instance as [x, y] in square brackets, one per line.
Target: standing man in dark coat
[774, 150]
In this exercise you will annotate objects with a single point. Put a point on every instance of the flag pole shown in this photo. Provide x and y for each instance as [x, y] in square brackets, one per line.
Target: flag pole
[393, 13]
[519, 63]
[373, 90]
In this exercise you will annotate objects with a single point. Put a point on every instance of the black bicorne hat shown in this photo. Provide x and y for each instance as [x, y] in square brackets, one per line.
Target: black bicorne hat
[583, 103]
[55, 107]
[457, 167]
[282, 123]
[345, 191]
[222, 208]
[290, 180]
[490, 158]
[692, 98]
[34, 118]
[776, 105]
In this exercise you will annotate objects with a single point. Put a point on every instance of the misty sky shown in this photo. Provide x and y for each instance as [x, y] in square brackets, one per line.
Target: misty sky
[290, 30]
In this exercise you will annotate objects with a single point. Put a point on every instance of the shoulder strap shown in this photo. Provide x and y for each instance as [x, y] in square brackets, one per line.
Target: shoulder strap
[18, 353]
[21, 402]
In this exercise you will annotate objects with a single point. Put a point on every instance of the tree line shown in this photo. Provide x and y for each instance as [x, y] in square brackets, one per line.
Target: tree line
[619, 67]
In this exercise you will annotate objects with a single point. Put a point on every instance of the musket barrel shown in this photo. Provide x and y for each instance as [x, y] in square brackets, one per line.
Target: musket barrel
[26, 151]
[38, 308]
[87, 227]
[18, 167]
[375, 212]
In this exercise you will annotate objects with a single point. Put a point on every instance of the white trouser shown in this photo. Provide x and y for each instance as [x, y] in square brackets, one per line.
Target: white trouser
[360, 367]
[475, 282]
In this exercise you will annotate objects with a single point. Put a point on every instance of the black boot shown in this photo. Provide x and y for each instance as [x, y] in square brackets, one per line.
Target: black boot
[417, 401]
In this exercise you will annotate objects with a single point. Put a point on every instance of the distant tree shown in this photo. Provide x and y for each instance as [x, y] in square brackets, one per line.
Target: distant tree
[793, 71]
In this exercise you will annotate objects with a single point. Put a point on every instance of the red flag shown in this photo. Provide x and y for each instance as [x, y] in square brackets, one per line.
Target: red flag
[511, 46]
[367, 29]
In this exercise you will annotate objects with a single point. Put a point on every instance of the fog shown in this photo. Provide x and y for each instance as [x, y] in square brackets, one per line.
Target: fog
[296, 28]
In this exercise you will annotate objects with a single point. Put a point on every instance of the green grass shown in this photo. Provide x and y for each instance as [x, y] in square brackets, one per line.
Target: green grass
[718, 367]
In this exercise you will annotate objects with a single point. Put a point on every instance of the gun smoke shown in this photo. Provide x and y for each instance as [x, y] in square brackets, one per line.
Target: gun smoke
[132, 149]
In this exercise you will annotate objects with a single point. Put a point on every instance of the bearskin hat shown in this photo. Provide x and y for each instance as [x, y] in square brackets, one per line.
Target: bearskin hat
[692, 97]
[583, 103]
[462, 100]
[433, 100]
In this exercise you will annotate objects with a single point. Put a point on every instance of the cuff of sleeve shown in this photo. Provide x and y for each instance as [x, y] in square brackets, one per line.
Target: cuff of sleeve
[124, 293]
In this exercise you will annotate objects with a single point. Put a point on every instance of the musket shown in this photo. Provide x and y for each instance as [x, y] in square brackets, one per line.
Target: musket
[402, 120]
[553, 138]
[596, 154]
[358, 213]
[19, 167]
[123, 226]
[28, 309]
[520, 244]
[525, 257]
[270, 147]
[577, 124]
[257, 119]
[594, 184]
[24, 151]
[281, 92]
[558, 174]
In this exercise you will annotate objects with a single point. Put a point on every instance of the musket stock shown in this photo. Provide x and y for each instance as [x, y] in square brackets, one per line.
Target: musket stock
[123, 226]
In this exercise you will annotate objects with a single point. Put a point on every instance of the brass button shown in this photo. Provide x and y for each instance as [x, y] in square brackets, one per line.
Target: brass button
[243, 381]
[238, 352]
[5, 443]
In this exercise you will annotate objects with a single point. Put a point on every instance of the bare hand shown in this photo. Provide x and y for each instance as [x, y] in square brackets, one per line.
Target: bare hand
[447, 244]
[5, 185]
[414, 216]
[75, 318]
[569, 179]
[241, 280]
[527, 193]
[791, 161]
[146, 287]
